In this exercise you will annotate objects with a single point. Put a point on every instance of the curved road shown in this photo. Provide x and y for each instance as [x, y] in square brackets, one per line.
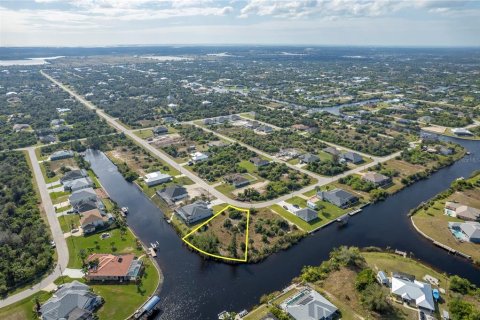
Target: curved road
[57, 234]
[162, 155]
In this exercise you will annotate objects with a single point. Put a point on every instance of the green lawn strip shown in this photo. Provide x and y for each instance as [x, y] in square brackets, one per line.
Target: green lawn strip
[88, 243]
[94, 178]
[67, 220]
[24, 309]
[144, 133]
[302, 203]
[129, 296]
[247, 115]
[109, 205]
[226, 189]
[58, 194]
[324, 155]
[61, 199]
[294, 161]
[310, 193]
[62, 209]
[257, 314]
[250, 167]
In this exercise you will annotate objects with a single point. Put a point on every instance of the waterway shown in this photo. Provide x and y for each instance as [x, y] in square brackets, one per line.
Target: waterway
[198, 289]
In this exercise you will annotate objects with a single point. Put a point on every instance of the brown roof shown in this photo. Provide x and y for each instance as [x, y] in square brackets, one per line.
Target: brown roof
[90, 216]
[110, 265]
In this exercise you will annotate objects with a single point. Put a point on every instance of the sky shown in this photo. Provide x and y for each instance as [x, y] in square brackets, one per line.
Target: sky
[269, 22]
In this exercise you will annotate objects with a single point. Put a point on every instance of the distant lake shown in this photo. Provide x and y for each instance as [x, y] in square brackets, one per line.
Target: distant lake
[28, 61]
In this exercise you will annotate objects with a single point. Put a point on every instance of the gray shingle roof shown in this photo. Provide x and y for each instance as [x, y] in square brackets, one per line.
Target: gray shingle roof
[309, 305]
[306, 214]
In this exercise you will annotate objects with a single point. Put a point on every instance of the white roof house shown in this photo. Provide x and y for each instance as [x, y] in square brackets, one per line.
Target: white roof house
[199, 156]
[309, 305]
[414, 291]
[154, 178]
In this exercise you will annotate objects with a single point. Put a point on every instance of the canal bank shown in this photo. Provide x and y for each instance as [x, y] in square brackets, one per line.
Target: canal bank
[195, 288]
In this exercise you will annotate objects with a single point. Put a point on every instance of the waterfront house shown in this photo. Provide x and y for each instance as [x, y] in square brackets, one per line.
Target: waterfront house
[306, 214]
[92, 220]
[462, 132]
[382, 278]
[308, 158]
[89, 204]
[466, 231]
[311, 203]
[378, 179]
[259, 162]
[194, 212]
[73, 175]
[78, 184]
[338, 197]
[352, 157]
[308, 304]
[109, 267]
[62, 154]
[414, 292]
[154, 178]
[82, 195]
[461, 211]
[73, 300]
[172, 194]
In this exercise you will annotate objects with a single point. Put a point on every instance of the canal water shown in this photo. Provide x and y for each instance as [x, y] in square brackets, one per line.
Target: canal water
[199, 289]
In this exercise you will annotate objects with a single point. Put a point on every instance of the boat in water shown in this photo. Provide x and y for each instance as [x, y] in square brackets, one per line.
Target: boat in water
[124, 210]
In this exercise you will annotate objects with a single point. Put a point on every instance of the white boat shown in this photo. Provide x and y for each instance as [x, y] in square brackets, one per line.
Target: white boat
[222, 315]
[125, 210]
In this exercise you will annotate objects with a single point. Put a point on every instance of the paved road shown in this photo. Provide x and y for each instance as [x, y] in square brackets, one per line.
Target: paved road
[162, 155]
[57, 234]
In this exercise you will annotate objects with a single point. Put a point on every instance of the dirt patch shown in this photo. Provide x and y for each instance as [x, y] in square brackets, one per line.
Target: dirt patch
[259, 186]
[167, 140]
[68, 163]
[101, 193]
[468, 197]
[195, 191]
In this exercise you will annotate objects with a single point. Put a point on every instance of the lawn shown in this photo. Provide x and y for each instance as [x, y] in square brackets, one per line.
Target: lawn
[144, 133]
[60, 199]
[93, 244]
[66, 222]
[305, 226]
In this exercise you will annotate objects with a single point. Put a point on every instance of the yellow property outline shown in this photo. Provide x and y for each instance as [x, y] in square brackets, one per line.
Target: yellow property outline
[214, 255]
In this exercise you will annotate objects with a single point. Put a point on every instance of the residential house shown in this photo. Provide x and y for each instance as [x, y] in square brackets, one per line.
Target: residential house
[259, 162]
[300, 127]
[312, 203]
[338, 197]
[169, 119]
[154, 178]
[352, 157]
[109, 267]
[20, 127]
[199, 157]
[264, 129]
[73, 175]
[160, 130]
[306, 214]
[376, 178]
[237, 180]
[57, 122]
[73, 300]
[414, 292]
[172, 194]
[78, 184]
[382, 278]
[331, 150]
[89, 204]
[92, 220]
[62, 154]
[194, 212]
[461, 211]
[445, 151]
[48, 138]
[308, 158]
[462, 132]
[308, 304]
[469, 231]
[82, 195]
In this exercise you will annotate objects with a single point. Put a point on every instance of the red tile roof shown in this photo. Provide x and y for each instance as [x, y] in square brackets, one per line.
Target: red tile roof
[110, 265]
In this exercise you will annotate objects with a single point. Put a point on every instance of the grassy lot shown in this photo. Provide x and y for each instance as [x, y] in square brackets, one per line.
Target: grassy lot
[66, 222]
[61, 199]
[247, 115]
[263, 310]
[92, 243]
[434, 223]
[59, 194]
[144, 133]
[23, 310]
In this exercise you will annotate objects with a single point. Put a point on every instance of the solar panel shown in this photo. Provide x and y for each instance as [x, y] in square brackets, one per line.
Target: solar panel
[306, 301]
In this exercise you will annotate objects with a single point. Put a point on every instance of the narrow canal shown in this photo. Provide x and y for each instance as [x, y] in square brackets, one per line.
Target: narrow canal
[199, 289]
